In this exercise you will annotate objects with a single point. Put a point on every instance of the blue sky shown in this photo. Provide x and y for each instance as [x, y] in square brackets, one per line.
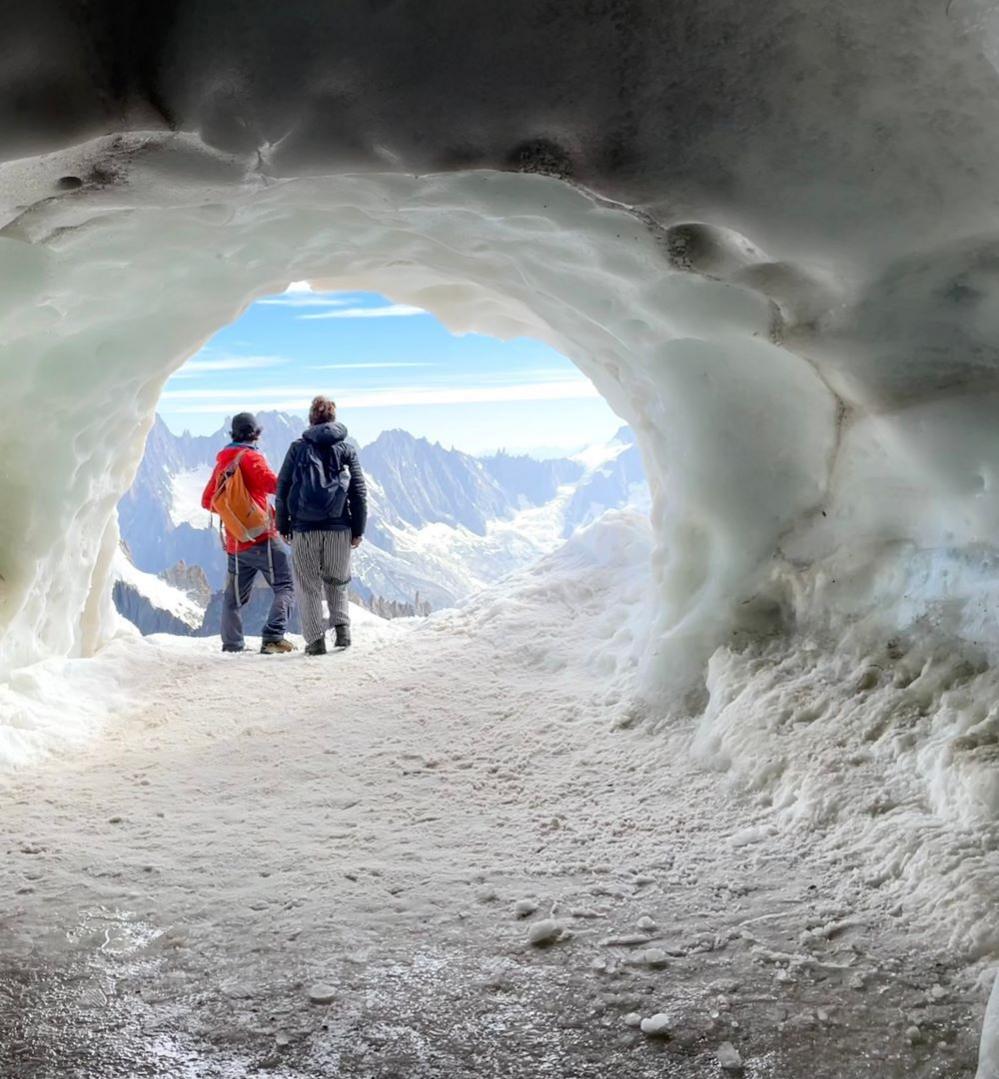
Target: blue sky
[388, 365]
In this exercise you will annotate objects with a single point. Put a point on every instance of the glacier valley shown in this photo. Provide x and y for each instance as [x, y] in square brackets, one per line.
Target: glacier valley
[443, 524]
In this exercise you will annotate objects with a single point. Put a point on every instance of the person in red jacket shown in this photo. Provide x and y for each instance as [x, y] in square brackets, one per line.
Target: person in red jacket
[265, 555]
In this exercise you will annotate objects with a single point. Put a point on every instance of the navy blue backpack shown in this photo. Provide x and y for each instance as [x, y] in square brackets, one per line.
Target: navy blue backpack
[319, 487]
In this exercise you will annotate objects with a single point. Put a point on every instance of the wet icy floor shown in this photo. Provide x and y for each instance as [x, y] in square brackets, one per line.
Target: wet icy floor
[368, 822]
[452, 1011]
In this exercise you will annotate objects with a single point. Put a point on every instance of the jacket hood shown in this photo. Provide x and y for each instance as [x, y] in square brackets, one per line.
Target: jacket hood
[325, 434]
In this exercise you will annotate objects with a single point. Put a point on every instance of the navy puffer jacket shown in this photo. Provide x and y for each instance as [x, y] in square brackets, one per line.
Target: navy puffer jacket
[330, 440]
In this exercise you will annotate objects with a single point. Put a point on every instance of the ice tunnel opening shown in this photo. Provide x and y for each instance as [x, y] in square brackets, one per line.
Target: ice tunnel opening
[767, 465]
[760, 462]
[480, 456]
[115, 288]
[798, 321]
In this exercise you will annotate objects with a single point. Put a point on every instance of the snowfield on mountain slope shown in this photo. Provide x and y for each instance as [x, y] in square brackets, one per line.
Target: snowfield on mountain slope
[186, 488]
[464, 562]
[457, 849]
[161, 595]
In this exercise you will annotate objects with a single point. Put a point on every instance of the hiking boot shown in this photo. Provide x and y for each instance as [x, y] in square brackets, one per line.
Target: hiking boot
[342, 636]
[233, 648]
[317, 648]
[272, 648]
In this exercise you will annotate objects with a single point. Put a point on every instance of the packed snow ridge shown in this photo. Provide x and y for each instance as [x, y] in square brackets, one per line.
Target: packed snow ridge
[768, 240]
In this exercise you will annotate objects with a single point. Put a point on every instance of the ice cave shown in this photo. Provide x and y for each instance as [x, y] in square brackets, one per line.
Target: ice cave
[719, 796]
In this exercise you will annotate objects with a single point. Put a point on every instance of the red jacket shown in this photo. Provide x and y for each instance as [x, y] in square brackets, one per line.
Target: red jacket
[260, 482]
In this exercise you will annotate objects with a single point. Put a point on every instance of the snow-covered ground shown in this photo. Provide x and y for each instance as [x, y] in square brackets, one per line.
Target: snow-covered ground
[462, 848]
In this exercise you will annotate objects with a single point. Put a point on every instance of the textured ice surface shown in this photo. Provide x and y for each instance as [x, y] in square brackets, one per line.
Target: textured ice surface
[399, 801]
[657, 1026]
[783, 493]
[786, 286]
[988, 1063]
[685, 358]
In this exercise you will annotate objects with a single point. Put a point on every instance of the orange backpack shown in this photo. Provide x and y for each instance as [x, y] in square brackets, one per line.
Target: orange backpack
[244, 520]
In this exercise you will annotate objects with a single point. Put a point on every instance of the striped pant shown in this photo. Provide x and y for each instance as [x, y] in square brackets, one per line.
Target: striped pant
[320, 562]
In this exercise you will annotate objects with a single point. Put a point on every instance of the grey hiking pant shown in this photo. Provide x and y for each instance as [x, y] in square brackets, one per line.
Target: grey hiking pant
[320, 562]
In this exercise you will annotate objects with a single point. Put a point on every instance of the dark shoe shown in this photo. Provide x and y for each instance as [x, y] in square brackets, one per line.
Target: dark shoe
[233, 648]
[273, 648]
[342, 636]
[317, 648]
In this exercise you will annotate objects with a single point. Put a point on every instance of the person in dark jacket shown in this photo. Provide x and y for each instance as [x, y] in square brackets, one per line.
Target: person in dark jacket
[262, 555]
[322, 526]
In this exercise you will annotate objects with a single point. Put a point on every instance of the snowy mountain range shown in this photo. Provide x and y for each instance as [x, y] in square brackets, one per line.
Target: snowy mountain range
[442, 523]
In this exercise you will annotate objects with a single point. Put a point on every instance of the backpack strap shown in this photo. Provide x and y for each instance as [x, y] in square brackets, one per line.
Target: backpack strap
[228, 471]
[233, 466]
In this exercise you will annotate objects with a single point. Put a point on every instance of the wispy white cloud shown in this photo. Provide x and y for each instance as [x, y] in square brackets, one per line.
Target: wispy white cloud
[392, 310]
[229, 363]
[292, 400]
[307, 299]
[523, 376]
[359, 366]
[248, 392]
[462, 395]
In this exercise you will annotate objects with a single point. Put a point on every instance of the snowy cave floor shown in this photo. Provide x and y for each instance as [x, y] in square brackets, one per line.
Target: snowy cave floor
[367, 821]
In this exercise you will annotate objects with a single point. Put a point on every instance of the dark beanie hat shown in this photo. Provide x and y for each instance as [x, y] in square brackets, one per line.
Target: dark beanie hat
[245, 427]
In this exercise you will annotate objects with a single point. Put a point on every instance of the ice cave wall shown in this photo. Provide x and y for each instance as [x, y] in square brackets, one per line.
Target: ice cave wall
[784, 276]
[121, 287]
